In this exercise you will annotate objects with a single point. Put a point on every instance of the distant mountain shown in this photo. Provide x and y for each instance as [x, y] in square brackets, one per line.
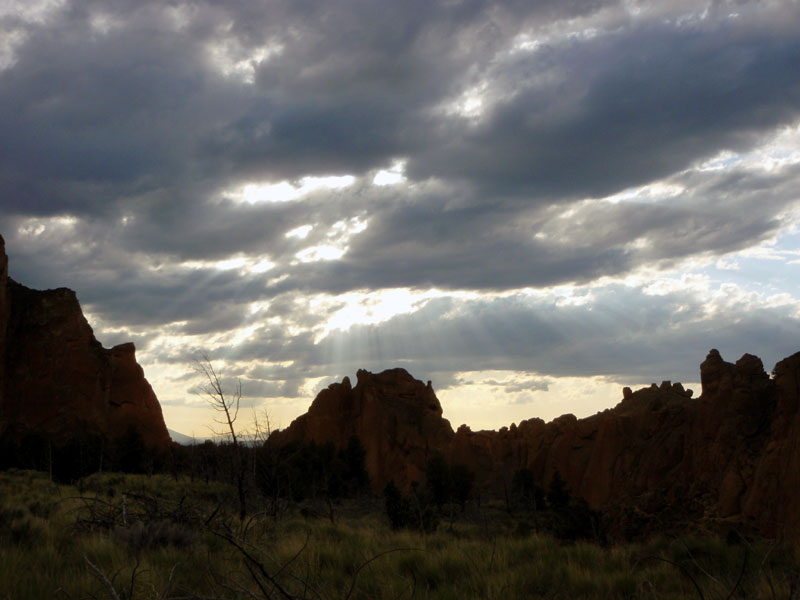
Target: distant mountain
[58, 381]
[185, 440]
[660, 458]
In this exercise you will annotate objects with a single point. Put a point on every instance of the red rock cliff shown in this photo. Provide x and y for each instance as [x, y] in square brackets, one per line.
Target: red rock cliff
[398, 419]
[663, 453]
[730, 456]
[57, 379]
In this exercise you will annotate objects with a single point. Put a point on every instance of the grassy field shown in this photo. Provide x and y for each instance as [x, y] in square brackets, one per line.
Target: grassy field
[126, 537]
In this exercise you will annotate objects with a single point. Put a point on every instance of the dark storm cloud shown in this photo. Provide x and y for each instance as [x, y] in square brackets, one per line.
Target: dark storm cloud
[414, 241]
[91, 119]
[494, 245]
[596, 116]
[91, 116]
[123, 142]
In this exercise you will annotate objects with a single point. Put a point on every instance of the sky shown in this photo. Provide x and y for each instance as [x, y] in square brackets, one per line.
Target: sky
[532, 204]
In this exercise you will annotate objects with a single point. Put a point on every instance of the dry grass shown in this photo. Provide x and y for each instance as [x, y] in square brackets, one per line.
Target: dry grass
[178, 539]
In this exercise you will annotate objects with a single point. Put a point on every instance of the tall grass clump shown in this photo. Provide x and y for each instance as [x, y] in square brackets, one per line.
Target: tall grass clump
[135, 537]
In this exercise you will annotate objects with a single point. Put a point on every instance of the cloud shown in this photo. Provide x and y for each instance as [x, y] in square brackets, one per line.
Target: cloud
[622, 108]
[168, 161]
[637, 334]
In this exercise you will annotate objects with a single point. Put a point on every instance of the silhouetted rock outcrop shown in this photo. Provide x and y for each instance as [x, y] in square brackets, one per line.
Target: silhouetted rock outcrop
[56, 379]
[398, 419]
[658, 459]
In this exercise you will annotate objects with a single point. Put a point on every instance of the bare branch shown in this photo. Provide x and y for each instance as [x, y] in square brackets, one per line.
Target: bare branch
[102, 577]
[367, 562]
[217, 397]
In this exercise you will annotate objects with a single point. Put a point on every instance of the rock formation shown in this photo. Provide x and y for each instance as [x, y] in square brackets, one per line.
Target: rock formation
[731, 456]
[56, 379]
[398, 419]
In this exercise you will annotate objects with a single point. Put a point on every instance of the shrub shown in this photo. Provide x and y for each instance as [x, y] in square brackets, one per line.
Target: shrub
[155, 534]
[524, 488]
[437, 472]
[558, 494]
[398, 507]
[411, 512]
[462, 479]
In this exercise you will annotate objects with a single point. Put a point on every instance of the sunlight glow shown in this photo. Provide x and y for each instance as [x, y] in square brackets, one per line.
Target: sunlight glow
[369, 308]
[391, 176]
[318, 253]
[262, 266]
[653, 192]
[300, 233]
[231, 263]
[470, 104]
[239, 263]
[338, 237]
[284, 191]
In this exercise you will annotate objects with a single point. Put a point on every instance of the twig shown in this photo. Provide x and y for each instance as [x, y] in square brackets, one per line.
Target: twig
[169, 582]
[364, 564]
[102, 577]
[256, 563]
[741, 574]
[133, 578]
[682, 569]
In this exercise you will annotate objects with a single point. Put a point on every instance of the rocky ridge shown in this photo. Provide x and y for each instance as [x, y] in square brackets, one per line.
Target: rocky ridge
[730, 456]
[398, 419]
[57, 379]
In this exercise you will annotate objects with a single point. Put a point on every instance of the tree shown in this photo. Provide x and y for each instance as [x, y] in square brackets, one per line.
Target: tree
[461, 480]
[525, 488]
[437, 472]
[227, 404]
[558, 493]
[354, 458]
[398, 507]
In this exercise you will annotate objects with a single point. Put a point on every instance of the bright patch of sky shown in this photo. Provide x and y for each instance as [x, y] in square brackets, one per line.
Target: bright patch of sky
[230, 59]
[368, 308]
[337, 237]
[780, 150]
[300, 233]
[286, 191]
[245, 264]
[653, 192]
[494, 400]
[391, 176]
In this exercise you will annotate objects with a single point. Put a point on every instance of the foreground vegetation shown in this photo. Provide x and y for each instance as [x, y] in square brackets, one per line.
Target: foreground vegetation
[126, 537]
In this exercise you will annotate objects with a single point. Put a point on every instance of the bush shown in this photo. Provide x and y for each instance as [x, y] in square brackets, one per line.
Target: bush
[448, 482]
[524, 488]
[558, 494]
[410, 512]
[437, 472]
[155, 534]
[462, 478]
[398, 507]
[309, 470]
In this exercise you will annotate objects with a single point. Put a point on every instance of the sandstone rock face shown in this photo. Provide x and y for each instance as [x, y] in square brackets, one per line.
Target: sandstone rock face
[398, 419]
[728, 458]
[56, 377]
